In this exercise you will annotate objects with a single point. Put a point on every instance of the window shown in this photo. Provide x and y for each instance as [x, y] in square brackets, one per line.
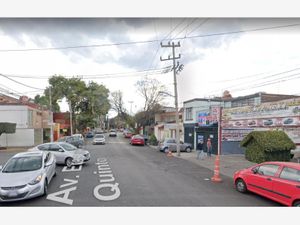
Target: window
[188, 114]
[47, 158]
[268, 170]
[171, 141]
[43, 147]
[290, 174]
[54, 148]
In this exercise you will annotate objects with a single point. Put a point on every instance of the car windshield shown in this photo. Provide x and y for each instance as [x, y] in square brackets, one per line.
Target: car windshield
[99, 136]
[21, 164]
[68, 147]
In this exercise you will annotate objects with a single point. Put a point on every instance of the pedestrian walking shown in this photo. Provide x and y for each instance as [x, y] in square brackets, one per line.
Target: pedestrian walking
[200, 153]
[209, 147]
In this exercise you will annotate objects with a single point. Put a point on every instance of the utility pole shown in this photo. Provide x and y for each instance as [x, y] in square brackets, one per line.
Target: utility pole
[173, 46]
[51, 115]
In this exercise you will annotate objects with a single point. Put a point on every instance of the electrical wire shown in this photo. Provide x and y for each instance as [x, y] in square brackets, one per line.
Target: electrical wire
[149, 41]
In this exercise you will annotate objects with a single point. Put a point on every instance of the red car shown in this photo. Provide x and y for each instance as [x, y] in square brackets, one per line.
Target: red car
[137, 140]
[127, 135]
[279, 181]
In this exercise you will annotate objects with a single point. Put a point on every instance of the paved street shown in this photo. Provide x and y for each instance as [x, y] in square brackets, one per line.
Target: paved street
[123, 175]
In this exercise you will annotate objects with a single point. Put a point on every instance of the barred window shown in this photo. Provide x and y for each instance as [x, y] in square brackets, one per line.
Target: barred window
[188, 114]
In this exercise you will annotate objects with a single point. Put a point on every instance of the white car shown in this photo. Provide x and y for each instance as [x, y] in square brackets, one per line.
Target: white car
[113, 133]
[64, 153]
[99, 139]
[26, 175]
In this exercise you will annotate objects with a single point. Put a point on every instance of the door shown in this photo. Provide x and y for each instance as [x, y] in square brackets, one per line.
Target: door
[261, 182]
[287, 186]
[56, 151]
[172, 145]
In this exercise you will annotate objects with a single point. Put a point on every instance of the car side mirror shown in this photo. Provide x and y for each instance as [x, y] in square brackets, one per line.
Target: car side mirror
[1, 167]
[60, 150]
[255, 170]
[181, 142]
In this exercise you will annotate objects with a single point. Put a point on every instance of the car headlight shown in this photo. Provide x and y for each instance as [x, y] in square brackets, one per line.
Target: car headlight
[36, 180]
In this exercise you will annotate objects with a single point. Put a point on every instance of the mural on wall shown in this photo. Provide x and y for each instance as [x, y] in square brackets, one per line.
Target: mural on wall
[283, 115]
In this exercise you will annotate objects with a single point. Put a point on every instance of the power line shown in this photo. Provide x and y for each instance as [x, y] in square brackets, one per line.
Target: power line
[263, 78]
[148, 41]
[106, 75]
[20, 82]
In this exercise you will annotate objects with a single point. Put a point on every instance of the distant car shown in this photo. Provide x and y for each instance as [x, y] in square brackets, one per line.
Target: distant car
[288, 121]
[238, 123]
[279, 181]
[26, 175]
[128, 134]
[137, 140]
[89, 134]
[80, 136]
[112, 133]
[169, 144]
[99, 139]
[64, 153]
[73, 140]
[252, 123]
[268, 122]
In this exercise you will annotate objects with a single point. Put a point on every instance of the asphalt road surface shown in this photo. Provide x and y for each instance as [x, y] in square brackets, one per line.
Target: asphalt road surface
[119, 174]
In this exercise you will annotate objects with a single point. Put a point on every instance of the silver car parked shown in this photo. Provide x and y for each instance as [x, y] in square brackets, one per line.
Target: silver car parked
[99, 139]
[169, 144]
[64, 153]
[26, 175]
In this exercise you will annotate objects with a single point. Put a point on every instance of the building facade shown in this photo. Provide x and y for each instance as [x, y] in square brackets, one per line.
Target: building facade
[32, 122]
[165, 124]
[237, 121]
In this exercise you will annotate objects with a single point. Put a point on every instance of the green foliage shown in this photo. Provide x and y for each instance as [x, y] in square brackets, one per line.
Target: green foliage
[8, 128]
[87, 101]
[153, 140]
[264, 146]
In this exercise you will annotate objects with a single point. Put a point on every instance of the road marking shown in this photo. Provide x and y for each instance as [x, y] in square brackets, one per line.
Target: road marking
[72, 169]
[71, 182]
[105, 172]
[65, 199]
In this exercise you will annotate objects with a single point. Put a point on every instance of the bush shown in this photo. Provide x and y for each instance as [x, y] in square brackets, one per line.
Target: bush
[153, 140]
[262, 146]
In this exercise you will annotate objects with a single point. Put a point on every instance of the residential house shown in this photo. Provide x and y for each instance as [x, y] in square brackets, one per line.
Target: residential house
[31, 122]
[165, 124]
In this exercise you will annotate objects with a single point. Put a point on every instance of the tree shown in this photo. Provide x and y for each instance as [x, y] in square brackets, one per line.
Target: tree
[151, 90]
[87, 102]
[117, 103]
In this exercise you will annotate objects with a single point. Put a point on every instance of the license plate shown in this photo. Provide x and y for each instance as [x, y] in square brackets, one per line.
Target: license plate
[12, 194]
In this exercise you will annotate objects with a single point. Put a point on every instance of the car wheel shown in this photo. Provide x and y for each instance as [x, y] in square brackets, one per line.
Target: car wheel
[69, 162]
[46, 187]
[296, 204]
[241, 185]
[188, 149]
[166, 150]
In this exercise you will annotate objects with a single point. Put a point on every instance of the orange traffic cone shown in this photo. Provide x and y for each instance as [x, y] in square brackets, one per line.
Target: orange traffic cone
[216, 177]
[169, 153]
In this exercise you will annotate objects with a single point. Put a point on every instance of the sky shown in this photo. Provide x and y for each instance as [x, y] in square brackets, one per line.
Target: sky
[241, 55]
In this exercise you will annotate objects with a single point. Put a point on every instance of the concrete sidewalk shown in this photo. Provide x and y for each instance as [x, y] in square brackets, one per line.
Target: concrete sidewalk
[228, 163]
